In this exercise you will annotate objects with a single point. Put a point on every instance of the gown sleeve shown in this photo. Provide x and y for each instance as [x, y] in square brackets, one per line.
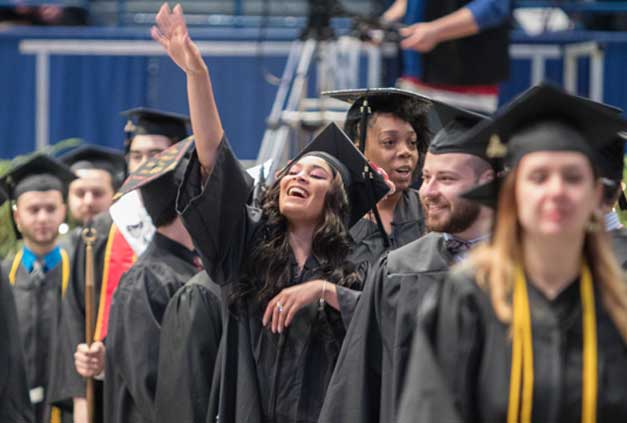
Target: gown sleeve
[190, 337]
[353, 392]
[442, 377]
[349, 297]
[216, 214]
[133, 336]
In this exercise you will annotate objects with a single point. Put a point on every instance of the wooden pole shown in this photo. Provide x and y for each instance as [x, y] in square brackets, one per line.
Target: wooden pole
[89, 237]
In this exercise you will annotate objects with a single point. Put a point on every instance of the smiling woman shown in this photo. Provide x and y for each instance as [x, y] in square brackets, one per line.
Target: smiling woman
[281, 265]
[535, 327]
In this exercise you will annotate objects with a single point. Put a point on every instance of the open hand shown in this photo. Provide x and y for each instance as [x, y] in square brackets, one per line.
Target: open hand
[89, 360]
[283, 307]
[421, 37]
[171, 32]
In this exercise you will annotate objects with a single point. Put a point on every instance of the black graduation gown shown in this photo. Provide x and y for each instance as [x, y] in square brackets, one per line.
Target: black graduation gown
[262, 377]
[15, 403]
[619, 242]
[38, 307]
[135, 327]
[70, 240]
[473, 349]
[367, 381]
[190, 336]
[407, 226]
[68, 383]
[368, 248]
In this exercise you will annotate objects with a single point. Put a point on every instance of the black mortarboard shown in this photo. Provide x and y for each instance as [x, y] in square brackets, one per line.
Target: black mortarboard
[158, 179]
[486, 194]
[36, 173]
[97, 157]
[545, 118]
[366, 101]
[363, 185]
[438, 113]
[451, 138]
[144, 121]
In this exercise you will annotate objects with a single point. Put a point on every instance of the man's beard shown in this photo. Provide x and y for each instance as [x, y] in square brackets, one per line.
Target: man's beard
[462, 215]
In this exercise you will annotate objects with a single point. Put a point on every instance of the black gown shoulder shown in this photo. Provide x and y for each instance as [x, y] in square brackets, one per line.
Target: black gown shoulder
[371, 369]
[190, 337]
[472, 352]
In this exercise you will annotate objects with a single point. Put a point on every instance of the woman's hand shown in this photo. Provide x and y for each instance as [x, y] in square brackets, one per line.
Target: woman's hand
[281, 309]
[386, 178]
[171, 32]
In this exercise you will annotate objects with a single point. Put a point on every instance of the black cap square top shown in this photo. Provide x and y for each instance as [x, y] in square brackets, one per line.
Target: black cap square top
[145, 121]
[97, 157]
[158, 179]
[35, 173]
[545, 118]
[363, 185]
[156, 167]
[439, 114]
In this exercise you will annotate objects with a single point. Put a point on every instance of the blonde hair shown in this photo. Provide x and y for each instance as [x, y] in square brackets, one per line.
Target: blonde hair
[494, 263]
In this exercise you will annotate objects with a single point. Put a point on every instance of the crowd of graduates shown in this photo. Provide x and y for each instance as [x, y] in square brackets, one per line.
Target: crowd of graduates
[490, 291]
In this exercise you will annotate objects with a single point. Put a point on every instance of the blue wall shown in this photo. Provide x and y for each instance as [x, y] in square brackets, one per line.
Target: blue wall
[87, 93]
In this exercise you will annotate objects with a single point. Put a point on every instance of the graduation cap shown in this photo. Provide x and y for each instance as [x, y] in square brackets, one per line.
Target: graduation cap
[545, 118]
[486, 194]
[451, 137]
[366, 101]
[36, 173]
[363, 185]
[145, 121]
[97, 157]
[158, 179]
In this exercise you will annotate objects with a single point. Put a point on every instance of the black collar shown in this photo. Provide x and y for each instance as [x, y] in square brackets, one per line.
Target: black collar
[175, 248]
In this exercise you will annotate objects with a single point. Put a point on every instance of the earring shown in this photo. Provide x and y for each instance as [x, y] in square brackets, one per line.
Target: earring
[595, 223]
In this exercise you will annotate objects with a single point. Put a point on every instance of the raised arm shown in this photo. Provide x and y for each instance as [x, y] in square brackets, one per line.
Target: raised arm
[171, 32]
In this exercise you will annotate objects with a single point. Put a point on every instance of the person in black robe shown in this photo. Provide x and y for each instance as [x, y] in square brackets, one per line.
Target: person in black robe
[532, 327]
[148, 132]
[190, 336]
[39, 272]
[15, 405]
[369, 375]
[280, 265]
[393, 133]
[132, 343]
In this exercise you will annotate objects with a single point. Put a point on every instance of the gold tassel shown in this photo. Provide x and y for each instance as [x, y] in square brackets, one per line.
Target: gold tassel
[522, 355]
[55, 415]
[590, 383]
[522, 352]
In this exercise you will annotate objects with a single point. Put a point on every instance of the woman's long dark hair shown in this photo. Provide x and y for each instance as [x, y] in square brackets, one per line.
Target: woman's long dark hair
[268, 269]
